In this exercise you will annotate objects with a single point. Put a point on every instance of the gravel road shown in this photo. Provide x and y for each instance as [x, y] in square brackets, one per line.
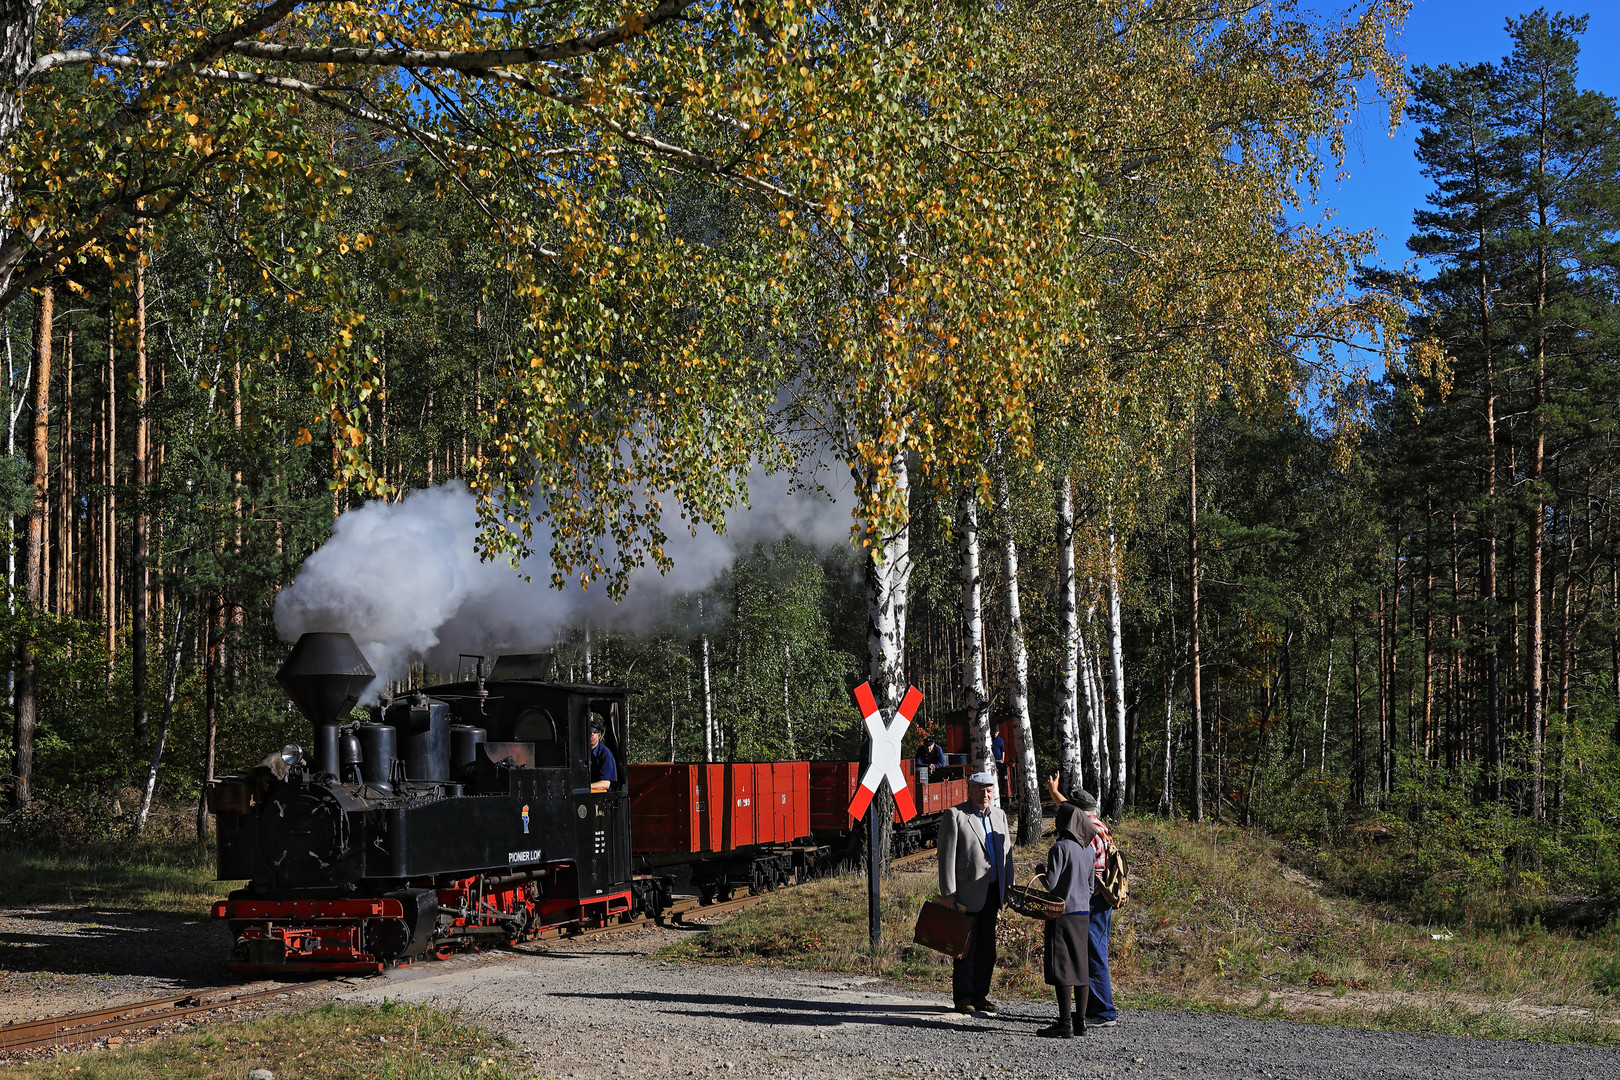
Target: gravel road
[605, 1008]
[62, 960]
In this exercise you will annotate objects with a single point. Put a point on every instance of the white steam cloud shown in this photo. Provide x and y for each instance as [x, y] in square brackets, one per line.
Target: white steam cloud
[405, 580]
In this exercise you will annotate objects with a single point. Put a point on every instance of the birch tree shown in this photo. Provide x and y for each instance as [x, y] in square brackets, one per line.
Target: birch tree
[1029, 802]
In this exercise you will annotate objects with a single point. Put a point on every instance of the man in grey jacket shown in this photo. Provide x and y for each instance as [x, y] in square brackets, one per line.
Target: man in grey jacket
[975, 868]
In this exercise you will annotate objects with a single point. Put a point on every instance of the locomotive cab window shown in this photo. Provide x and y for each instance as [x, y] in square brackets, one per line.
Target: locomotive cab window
[608, 761]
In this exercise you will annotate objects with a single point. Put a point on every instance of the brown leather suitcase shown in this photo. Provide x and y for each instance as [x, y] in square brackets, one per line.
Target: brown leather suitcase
[944, 929]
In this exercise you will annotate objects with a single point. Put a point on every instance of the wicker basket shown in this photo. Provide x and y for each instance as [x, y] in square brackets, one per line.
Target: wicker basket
[1033, 901]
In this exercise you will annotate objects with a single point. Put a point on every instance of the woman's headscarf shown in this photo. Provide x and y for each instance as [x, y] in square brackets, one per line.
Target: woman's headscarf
[1074, 823]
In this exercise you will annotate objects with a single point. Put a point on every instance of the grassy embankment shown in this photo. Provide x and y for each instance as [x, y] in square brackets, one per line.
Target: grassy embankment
[1217, 921]
[396, 1042]
[173, 878]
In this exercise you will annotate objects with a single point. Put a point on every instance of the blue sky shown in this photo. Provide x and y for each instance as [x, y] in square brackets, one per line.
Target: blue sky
[1384, 185]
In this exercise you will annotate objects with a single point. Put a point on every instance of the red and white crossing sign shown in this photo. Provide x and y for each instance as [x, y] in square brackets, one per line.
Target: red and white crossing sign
[885, 760]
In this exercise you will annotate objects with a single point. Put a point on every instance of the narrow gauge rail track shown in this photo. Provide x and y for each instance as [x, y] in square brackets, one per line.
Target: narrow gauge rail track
[76, 1028]
[86, 1026]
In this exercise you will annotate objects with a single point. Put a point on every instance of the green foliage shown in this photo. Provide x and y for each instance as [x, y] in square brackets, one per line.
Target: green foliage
[1606, 976]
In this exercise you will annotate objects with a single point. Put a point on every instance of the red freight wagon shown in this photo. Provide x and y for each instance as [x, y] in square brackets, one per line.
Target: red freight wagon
[682, 808]
[832, 789]
[792, 804]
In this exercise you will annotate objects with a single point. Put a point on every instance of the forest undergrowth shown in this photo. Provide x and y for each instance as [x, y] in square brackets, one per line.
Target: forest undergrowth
[1225, 918]
[63, 852]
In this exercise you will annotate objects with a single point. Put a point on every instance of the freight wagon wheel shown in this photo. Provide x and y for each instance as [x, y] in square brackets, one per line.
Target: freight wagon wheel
[706, 895]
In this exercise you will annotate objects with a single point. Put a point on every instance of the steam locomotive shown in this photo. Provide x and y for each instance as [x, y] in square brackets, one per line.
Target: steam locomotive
[463, 816]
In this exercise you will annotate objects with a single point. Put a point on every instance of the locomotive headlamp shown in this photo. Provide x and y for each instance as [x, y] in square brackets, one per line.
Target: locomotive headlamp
[292, 754]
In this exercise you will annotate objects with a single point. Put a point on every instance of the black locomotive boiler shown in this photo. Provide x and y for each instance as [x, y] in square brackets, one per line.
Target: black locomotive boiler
[457, 817]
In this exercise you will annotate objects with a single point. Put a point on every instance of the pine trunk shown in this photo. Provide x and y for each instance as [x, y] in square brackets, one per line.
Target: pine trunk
[138, 553]
[109, 499]
[22, 790]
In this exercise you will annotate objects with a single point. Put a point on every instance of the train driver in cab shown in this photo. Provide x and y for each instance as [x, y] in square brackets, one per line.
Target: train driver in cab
[931, 754]
[604, 771]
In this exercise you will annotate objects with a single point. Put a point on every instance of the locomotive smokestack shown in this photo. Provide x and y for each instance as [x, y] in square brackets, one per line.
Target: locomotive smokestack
[325, 674]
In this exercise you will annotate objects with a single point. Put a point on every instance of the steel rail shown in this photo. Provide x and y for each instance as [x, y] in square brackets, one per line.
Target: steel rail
[78, 1027]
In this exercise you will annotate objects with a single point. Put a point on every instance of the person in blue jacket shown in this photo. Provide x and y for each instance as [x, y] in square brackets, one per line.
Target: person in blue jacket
[931, 753]
[604, 770]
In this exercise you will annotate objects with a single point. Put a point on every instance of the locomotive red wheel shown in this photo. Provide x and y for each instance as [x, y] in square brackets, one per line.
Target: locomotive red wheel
[444, 952]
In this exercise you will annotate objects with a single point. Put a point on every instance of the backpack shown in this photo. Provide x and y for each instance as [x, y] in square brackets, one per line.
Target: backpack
[1113, 885]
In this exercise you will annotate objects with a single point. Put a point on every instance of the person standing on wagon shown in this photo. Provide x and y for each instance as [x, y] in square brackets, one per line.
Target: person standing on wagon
[975, 868]
[1070, 874]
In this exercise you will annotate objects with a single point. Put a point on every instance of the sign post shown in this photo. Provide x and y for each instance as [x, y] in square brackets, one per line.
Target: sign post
[883, 763]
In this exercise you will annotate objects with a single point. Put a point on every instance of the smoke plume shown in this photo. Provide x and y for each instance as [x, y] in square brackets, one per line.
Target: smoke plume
[405, 580]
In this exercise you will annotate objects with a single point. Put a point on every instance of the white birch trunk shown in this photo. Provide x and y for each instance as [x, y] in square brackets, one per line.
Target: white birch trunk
[1167, 802]
[1327, 695]
[974, 692]
[708, 698]
[1093, 712]
[1029, 801]
[167, 720]
[1100, 693]
[1116, 656]
[1065, 723]
[19, 21]
[888, 584]
[787, 708]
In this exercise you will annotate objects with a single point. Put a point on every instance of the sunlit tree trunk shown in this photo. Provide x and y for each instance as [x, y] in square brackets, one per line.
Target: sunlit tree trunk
[1066, 724]
[22, 790]
[138, 552]
[1358, 764]
[109, 499]
[166, 718]
[1092, 714]
[19, 22]
[888, 588]
[1029, 799]
[1116, 670]
[214, 645]
[1327, 697]
[1194, 668]
[708, 697]
[975, 694]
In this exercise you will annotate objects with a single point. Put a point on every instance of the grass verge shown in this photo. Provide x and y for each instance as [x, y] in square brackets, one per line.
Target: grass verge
[386, 1042]
[170, 878]
[1216, 921]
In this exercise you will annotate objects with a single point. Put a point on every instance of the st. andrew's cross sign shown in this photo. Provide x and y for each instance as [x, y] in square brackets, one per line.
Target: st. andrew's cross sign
[882, 764]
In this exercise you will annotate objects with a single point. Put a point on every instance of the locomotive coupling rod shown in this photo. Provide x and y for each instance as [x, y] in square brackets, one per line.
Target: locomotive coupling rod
[516, 879]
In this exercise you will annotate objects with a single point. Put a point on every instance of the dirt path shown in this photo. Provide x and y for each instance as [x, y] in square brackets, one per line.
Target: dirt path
[606, 1008]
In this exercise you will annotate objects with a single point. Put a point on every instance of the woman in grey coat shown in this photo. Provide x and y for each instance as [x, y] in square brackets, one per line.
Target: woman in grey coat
[1070, 873]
